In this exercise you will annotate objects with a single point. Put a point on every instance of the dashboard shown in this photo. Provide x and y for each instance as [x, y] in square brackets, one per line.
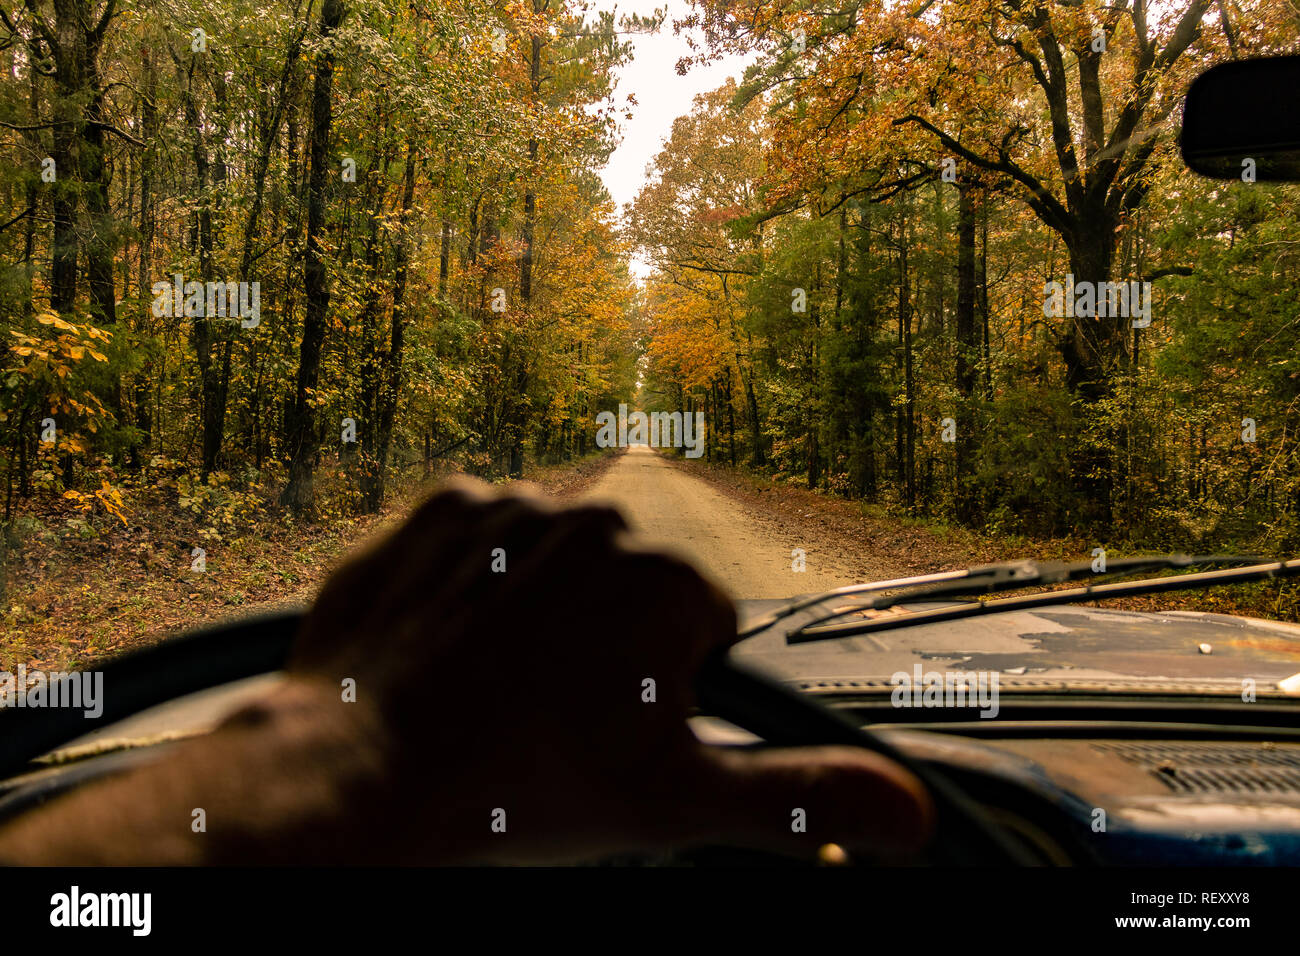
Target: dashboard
[1116, 801]
[1070, 798]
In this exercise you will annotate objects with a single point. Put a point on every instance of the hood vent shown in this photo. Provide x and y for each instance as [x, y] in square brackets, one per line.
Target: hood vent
[1261, 769]
[1200, 686]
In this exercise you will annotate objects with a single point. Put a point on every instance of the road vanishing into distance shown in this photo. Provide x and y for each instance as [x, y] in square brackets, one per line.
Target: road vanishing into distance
[748, 553]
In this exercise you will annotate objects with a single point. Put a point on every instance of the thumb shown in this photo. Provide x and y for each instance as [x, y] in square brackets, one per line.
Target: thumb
[797, 799]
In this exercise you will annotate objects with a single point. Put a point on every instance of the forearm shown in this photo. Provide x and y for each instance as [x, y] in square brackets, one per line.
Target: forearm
[280, 782]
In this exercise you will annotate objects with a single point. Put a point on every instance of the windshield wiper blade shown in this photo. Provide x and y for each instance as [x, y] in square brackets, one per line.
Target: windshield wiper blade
[969, 575]
[1092, 592]
[1015, 575]
[984, 578]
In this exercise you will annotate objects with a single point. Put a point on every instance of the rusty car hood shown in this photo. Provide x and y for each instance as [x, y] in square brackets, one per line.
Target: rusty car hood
[1064, 645]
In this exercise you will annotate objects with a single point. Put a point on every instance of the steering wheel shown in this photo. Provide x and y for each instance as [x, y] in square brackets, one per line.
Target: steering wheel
[251, 646]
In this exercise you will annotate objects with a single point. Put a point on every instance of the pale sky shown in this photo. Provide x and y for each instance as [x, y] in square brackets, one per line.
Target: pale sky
[661, 97]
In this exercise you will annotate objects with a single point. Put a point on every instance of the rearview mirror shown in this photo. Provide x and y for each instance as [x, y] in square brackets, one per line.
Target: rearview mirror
[1241, 120]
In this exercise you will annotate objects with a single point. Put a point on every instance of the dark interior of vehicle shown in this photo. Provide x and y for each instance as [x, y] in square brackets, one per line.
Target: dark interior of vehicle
[1158, 779]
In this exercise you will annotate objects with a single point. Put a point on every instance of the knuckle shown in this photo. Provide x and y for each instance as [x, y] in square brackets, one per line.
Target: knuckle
[459, 494]
[601, 518]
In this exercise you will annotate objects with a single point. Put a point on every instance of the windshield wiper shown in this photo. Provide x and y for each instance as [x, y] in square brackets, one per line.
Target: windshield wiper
[969, 575]
[1016, 576]
[985, 578]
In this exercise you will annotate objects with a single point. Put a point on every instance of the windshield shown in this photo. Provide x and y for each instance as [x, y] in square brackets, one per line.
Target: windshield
[816, 294]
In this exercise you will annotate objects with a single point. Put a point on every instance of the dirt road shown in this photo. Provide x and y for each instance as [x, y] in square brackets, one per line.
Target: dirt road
[746, 551]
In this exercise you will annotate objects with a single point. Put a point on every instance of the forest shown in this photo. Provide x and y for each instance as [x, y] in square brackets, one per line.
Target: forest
[939, 256]
[245, 244]
[861, 252]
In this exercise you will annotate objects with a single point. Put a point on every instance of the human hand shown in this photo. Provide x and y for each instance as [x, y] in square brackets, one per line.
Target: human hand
[512, 703]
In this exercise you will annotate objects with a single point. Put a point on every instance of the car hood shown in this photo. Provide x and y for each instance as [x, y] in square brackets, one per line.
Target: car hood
[1061, 646]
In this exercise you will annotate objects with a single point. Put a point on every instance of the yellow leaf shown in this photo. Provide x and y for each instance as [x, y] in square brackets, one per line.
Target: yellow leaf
[49, 318]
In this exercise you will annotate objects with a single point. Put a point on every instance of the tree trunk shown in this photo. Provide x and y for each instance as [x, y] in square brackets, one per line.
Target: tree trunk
[392, 386]
[1090, 347]
[300, 438]
[967, 350]
[69, 78]
[908, 432]
[204, 333]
